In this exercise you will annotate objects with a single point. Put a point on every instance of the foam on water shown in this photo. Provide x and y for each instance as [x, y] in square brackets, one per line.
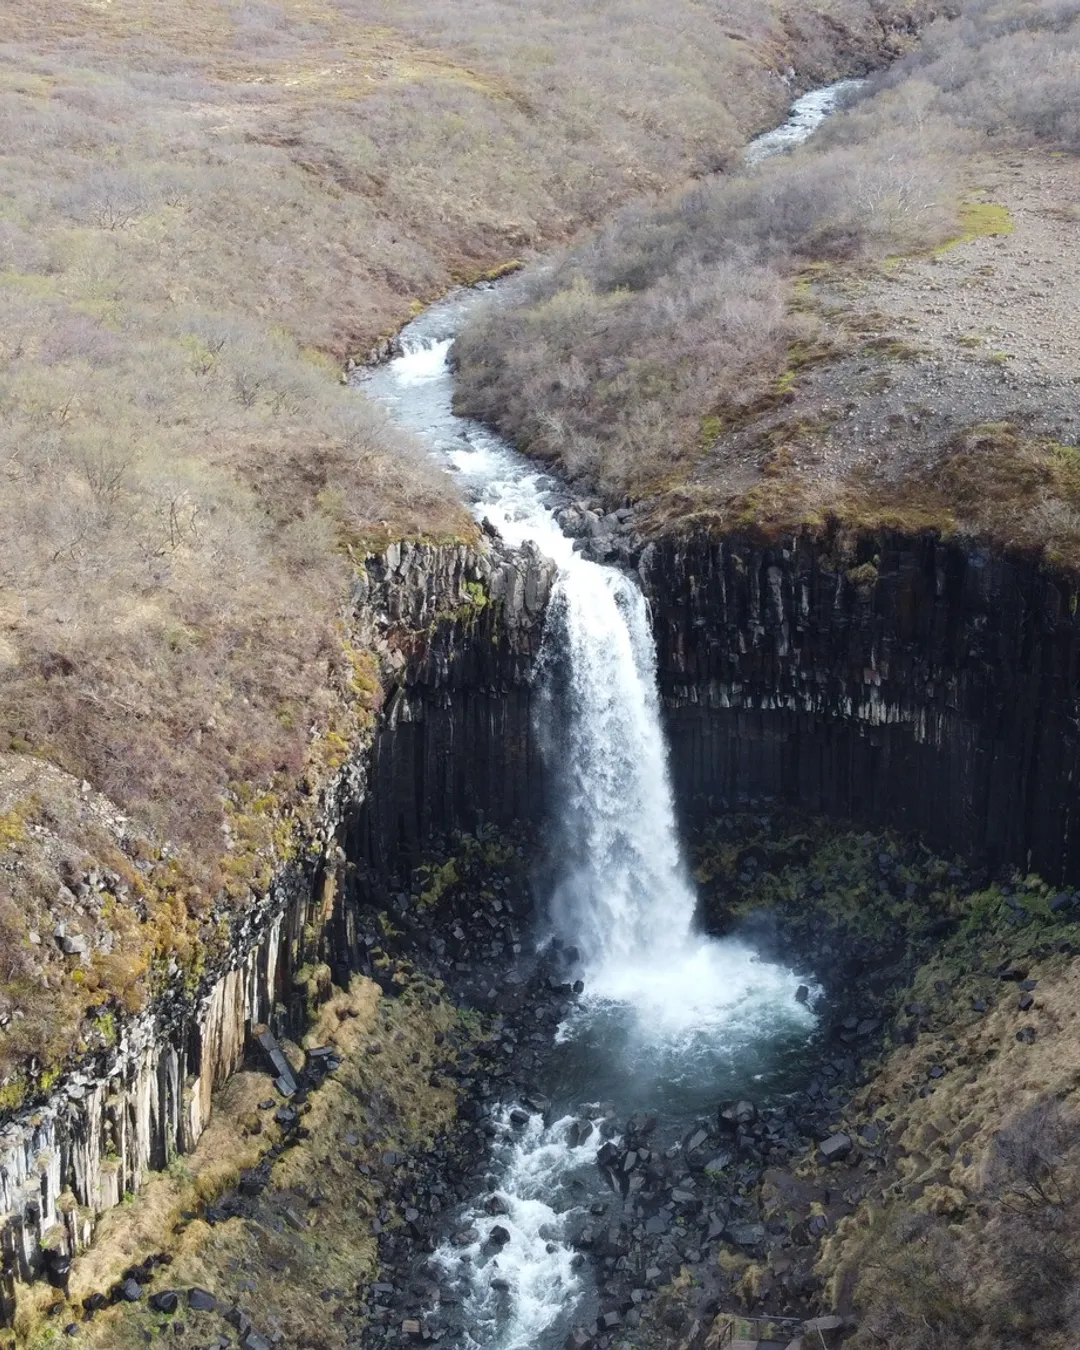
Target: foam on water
[806, 115]
[514, 1292]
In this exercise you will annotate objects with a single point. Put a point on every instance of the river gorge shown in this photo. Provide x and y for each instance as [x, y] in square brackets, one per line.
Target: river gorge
[569, 702]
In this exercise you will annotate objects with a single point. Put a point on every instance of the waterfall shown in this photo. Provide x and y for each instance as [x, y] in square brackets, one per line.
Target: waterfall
[621, 892]
[623, 895]
[670, 1019]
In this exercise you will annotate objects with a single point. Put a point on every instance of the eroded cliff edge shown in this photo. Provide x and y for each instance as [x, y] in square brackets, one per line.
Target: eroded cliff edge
[893, 680]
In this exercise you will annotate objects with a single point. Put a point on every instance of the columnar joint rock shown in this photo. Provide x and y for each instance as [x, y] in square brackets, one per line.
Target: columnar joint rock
[890, 679]
[452, 624]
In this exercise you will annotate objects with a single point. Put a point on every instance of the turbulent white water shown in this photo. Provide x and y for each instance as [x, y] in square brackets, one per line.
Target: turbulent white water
[806, 115]
[515, 1291]
[624, 898]
[668, 1014]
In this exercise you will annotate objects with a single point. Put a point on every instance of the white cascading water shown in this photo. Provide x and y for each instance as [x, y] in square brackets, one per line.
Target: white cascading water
[806, 115]
[681, 1004]
[624, 898]
[623, 892]
[517, 1290]
[661, 999]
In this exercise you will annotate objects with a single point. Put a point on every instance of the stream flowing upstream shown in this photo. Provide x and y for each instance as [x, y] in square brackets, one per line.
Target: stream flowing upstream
[671, 1021]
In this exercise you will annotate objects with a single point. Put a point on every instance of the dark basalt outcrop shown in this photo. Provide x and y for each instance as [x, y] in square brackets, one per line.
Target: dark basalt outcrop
[455, 748]
[907, 682]
[900, 681]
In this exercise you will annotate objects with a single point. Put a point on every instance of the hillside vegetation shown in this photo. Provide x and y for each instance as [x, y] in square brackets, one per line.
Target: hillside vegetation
[205, 207]
[706, 351]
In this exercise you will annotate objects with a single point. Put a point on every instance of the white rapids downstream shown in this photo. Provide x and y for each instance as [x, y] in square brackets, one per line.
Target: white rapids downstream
[671, 1020]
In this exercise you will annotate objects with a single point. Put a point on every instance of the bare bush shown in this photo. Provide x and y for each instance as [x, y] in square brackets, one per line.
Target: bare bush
[1011, 73]
[674, 318]
[1028, 1167]
[612, 396]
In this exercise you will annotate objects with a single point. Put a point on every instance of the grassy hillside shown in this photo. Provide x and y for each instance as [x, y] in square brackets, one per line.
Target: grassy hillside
[817, 336]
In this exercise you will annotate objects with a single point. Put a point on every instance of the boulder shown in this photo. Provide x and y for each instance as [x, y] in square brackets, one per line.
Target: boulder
[165, 1301]
[746, 1234]
[836, 1148]
[820, 1327]
[579, 1132]
[280, 1067]
[736, 1115]
[58, 1269]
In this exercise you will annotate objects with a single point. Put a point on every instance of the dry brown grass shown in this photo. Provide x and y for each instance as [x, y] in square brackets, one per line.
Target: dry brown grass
[971, 1236]
[645, 360]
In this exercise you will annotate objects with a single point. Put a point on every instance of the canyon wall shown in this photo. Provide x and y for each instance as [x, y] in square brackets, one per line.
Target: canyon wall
[130, 1112]
[900, 681]
[904, 682]
[457, 629]
[455, 748]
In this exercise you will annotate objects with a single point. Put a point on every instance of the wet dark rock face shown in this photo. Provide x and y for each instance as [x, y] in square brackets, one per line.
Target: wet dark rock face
[903, 682]
[456, 747]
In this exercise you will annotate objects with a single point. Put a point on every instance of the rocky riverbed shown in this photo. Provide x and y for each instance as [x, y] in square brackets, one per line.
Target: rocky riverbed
[729, 1211]
[671, 1224]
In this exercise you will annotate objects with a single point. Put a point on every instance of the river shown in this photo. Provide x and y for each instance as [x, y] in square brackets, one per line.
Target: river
[671, 1021]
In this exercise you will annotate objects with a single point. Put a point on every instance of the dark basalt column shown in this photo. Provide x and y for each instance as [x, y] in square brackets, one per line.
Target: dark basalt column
[912, 683]
[456, 747]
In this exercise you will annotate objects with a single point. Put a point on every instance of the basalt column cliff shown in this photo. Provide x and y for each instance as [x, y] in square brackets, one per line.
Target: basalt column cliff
[905, 681]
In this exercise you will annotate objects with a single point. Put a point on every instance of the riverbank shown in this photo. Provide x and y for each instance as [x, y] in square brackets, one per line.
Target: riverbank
[812, 342]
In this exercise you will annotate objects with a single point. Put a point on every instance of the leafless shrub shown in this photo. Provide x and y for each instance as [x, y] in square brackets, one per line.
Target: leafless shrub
[1008, 72]
[111, 199]
[1028, 1166]
[677, 312]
